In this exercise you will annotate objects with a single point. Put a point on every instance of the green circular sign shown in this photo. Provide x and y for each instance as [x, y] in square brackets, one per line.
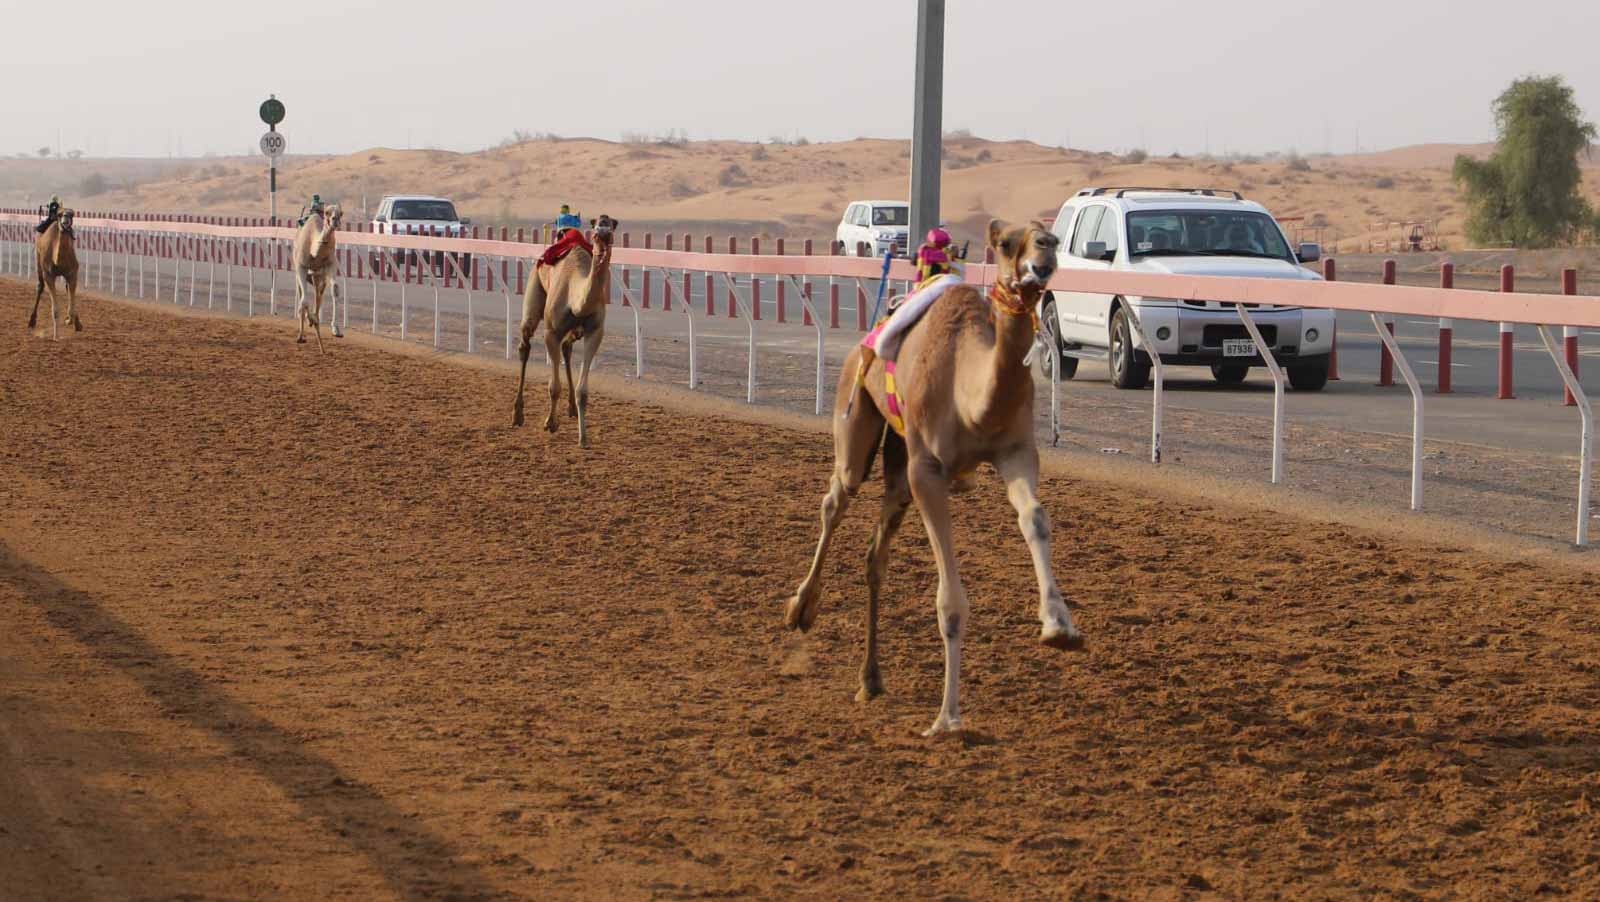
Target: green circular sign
[272, 111]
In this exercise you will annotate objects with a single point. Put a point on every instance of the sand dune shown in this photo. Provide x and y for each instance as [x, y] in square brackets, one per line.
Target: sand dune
[1352, 202]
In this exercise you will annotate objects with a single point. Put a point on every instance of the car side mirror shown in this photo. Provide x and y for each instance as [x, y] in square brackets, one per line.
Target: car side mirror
[1097, 250]
[1309, 252]
[380, 218]
[466, 220]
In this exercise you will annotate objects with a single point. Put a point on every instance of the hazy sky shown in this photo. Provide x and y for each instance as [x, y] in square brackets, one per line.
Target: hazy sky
[156, 77]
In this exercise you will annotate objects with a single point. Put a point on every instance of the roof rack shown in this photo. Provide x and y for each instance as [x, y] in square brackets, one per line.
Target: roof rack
[1124, 190]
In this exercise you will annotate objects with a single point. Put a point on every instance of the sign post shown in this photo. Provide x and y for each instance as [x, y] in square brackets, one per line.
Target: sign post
[273, 145]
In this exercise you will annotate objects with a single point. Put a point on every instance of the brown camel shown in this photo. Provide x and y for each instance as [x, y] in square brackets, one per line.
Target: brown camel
[967, 399]
[316, 265]
[569, 297]
[56, 257]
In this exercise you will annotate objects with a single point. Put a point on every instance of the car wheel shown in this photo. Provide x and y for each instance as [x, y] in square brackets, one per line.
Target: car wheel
[1126, 370]
[1309, 376]
[1229, 373]
[1049, 330]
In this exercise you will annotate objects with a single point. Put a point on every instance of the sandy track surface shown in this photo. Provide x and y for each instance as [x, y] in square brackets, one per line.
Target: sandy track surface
[281, 625]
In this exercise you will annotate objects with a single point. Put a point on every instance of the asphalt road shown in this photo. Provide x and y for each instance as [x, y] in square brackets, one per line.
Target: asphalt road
[1534, 421]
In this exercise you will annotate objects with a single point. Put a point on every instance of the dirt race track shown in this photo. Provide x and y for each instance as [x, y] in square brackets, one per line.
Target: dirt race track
[274, 625]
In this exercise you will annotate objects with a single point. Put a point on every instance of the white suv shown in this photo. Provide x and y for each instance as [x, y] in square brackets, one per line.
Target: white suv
[1187, 231]
[880, 224]
[418, 214]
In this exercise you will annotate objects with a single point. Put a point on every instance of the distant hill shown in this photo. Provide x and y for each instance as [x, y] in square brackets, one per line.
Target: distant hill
[740, 188]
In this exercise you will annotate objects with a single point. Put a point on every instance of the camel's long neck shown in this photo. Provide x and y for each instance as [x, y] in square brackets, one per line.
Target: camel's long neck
[598, 285]
[1009, 383]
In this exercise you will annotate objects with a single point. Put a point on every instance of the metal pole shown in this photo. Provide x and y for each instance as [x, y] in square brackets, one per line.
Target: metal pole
[927, 135]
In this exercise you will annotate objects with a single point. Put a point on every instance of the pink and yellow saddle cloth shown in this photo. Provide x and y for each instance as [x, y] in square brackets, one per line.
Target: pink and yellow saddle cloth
[885, 338]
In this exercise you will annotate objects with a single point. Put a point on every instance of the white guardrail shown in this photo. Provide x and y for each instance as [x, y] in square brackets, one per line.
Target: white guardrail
[108, 246]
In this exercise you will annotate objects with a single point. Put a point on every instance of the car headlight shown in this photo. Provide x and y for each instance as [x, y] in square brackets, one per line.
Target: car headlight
[1312, 335]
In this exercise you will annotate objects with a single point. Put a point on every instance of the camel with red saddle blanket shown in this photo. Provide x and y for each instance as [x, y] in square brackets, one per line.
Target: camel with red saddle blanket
[568, 292]
[964, 397]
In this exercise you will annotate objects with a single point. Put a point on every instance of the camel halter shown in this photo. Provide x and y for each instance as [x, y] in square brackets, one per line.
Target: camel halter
[1011, 303]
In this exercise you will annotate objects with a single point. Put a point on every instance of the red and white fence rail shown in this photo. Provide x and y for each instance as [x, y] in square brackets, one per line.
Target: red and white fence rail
[492, 265]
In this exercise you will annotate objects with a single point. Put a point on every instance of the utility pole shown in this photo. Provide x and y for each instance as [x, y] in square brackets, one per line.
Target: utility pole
[927, 127]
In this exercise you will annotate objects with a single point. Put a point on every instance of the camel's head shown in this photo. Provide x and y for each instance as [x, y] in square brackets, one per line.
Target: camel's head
[1025, 255]
[605, 229]
[332, 216]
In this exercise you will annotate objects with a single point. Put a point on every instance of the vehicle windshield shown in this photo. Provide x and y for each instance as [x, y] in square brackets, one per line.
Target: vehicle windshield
[891, 216]
[1205, 233]
[424, 209]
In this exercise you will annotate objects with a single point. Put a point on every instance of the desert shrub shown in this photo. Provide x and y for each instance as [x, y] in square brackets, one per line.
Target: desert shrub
[673, 137]
[1136, 155]
[733, 177]
[1297, 163]
[759, 153]
[1383, 182]
[958, 134]
[681, 188]
[984, 155]
[94, 184]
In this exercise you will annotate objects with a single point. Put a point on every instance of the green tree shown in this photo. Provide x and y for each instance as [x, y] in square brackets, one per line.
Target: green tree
[1528, 194]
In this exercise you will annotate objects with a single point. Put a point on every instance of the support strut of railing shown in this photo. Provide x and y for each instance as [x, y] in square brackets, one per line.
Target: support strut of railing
[1586, 445]
[1393, 347]
[816, 322]
[674, 290]
[1277, 391]
[1159, 403]
[744, 304]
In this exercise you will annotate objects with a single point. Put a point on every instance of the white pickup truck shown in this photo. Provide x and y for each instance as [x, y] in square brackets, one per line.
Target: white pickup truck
[1187, 231]
[418, 214]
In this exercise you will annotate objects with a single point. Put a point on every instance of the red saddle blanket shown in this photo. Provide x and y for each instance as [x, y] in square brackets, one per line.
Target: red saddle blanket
[563, 246]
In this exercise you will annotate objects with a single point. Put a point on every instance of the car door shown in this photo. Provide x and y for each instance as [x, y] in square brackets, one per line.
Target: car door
[1109, 233]
[1076, 309]
[846, 230]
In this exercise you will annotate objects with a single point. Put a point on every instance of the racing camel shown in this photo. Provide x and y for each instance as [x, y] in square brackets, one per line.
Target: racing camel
[964, 397]
[316, 268]
[56, 257]
[568, 294]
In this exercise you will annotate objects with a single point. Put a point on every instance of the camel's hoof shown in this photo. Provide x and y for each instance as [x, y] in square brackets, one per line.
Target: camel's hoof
[77, 324]
[1066, 639]
[301, 340]
[799, 615]
[943, 725]
[33, 320]
[584, 444]
[550, 425]
[516, 418]
[870, 689]
[336, 333]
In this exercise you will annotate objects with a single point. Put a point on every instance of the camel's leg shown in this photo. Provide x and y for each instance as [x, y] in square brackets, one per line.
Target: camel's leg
[572, 386]
[315, 312]
[1020, 470]
[533, 303]
[896, 498]
[333, 312]
[591, 347]
[72, 302]
[931, 488]
[33, 318]
[552, 353]
[300, 302]
[55, 325]
[853, 440]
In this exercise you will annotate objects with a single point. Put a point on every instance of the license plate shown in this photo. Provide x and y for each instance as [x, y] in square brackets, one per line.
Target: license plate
[1238, 347]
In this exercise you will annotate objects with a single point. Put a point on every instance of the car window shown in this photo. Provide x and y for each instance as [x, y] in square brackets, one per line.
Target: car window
[849, 214]
[1062, 227]
[1107, 231]
[861, 215]
[1210, 232]
[891, 216]
[424, 209]
[1088, 223]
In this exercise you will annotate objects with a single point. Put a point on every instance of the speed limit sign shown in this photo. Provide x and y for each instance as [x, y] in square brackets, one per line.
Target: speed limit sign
[273, 144]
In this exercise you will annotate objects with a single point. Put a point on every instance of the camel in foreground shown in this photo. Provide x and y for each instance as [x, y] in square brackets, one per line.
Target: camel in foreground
[56, 257]
[568, 295]
[966, 398]
[316, 266]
